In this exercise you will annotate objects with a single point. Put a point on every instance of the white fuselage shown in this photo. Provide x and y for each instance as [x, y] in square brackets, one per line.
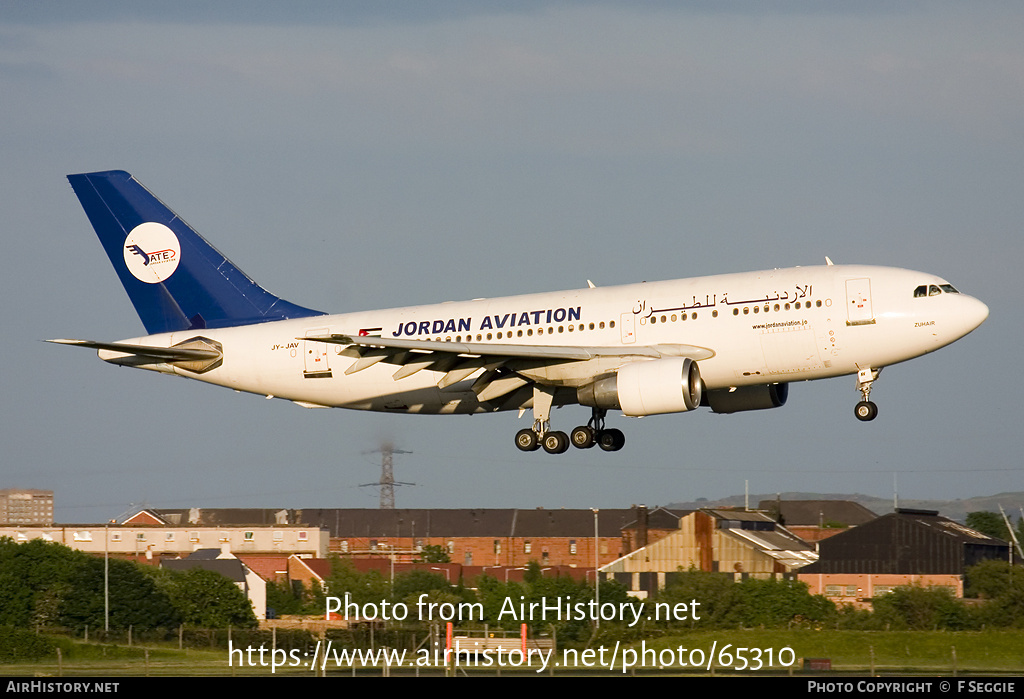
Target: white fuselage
[751, 328]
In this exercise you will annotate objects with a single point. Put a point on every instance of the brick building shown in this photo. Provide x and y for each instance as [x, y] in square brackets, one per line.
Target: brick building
[471, 537]
[477, 537]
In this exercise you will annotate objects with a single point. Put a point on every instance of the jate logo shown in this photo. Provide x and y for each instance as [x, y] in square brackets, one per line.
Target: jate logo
[151, 252]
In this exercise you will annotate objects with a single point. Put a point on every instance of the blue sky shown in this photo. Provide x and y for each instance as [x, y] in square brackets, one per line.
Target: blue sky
[349, 157]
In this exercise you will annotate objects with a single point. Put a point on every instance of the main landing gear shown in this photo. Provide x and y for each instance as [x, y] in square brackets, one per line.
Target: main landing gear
[554, 442]
[594, 432]
[865, 409]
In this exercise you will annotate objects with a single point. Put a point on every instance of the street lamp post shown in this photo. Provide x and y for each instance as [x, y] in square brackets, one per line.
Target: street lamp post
[597, 576]
[106, 576]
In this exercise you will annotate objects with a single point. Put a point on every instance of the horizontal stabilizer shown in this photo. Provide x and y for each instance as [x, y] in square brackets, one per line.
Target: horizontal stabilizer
[197, 355]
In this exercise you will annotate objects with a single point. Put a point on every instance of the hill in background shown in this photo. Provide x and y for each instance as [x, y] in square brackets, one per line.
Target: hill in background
[954, 509]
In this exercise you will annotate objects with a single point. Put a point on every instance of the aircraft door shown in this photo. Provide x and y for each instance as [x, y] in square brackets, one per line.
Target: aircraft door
[858, 302]
[627, 326]
[315, 356]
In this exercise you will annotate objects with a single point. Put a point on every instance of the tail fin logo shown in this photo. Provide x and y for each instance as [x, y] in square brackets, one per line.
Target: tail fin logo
[151, 252]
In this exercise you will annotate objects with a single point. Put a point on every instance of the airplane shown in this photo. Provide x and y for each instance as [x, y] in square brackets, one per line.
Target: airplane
[731, 342]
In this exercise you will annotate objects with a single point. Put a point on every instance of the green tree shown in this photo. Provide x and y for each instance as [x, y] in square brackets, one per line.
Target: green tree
[779, 602]
[135, 598]
[285, 599]
[714, 591]
[434, 554]
[533, 573]
[365, 588]
[1002, 587]
[207, 599]
[921, 608]
[992, 578]
[572, 597]
[751, 602]
[417, 582]
[34, 574]
[45, 582]
[990, 523]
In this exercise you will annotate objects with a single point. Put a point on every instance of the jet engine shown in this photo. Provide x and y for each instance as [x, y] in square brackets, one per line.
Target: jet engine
[736, 400]
[671, 385]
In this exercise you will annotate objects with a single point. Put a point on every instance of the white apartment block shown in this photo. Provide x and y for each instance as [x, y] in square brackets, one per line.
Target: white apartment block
[156, 541]
[25, 506]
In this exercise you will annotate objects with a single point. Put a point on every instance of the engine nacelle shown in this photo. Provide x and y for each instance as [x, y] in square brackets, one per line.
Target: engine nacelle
[653, 387]
[724, 400]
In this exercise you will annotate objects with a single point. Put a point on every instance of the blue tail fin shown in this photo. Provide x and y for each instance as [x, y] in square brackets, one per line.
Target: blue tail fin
[175, 279]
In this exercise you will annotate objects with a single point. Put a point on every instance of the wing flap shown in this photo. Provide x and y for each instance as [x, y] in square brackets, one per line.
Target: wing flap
[501, 386]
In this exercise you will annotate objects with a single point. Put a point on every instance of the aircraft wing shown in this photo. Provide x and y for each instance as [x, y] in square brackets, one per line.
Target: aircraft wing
[481, 349]
[507, 367]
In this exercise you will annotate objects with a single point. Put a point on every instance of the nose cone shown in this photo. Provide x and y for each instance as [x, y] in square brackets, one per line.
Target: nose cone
[969, 314]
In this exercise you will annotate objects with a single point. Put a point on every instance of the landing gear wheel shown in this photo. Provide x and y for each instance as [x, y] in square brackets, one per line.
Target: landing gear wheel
[527, 440]
[556, 442]
[582, 438]
[866, 411]
[611, 440]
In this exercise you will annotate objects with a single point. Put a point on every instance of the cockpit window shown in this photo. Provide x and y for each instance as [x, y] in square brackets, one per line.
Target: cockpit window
[934, 290]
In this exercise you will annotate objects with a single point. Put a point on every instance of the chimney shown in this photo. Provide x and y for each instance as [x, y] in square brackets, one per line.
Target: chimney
[641, 526]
